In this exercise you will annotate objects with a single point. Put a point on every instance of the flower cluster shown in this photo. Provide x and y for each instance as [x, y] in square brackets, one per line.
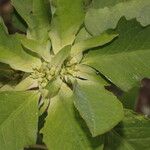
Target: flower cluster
[46, 73]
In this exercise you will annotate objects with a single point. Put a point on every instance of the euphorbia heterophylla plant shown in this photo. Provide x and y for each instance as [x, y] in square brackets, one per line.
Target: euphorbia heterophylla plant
[66, 59]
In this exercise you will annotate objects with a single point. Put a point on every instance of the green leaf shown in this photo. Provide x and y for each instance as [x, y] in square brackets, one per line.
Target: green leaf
[5, 73]
[105, 3]
[67, 19]
[82, 35]
[3, 28]
[18, 22]
[98, 107]
[60, 57]
[8, 77]
[26, 84]
[126, 60]
[43, 50]
[37, 15]
[53, 87]
[132, 133]
[18, 119]
[99, 20]
[96, 41]
[64, 129]
[12, 53]
[7, 87]
[129, 98]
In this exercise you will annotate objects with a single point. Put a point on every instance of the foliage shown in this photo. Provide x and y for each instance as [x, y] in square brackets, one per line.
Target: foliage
[71, 52]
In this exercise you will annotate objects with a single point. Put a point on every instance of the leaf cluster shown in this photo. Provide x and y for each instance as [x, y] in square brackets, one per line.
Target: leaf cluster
[53, 78]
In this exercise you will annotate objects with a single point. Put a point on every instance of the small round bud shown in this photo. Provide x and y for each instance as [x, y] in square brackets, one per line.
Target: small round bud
[52, 71]
[49, 77]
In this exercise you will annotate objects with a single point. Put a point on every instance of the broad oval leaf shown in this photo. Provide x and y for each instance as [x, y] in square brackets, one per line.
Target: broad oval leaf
[126, 60]
[133, 133]
[99, 20]
[92, 42]
[12, 53]
[100, 109]
[26, 84]
[42, 49]
[58, 60]
[18, 119]
[37, 15]
[67, 19]
[64, 129]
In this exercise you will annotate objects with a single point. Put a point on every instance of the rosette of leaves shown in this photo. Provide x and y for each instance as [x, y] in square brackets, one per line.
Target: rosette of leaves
[66, 68]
